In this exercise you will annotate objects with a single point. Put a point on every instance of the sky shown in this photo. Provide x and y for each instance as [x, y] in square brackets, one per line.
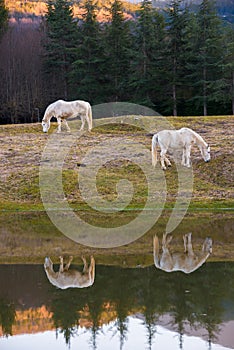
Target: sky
[106, 340]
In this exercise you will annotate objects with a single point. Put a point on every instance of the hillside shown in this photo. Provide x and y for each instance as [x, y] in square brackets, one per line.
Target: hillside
[37, 8]
[22, 147]
[34, 9]
[225, 8]
[27, 232]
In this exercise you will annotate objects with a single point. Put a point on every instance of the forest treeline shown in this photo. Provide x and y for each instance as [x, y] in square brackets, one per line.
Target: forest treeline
[176, 61]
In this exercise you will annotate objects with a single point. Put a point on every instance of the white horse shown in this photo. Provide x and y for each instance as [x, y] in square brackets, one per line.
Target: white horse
[66, 278]
[186, 262]
[181, 139]
[62, 110]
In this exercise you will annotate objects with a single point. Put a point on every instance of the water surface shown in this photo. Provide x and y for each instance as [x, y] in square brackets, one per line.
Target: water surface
[126, 308]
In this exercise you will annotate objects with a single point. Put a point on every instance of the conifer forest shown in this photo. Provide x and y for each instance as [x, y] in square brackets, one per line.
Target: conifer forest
[175, 60]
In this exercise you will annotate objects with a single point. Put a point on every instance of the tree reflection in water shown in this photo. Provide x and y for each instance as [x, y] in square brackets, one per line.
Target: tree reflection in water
[189, 302]
[7, 316]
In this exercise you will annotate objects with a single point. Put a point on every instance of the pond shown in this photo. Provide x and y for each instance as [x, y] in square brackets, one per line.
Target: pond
[125, 308]
[129, 303]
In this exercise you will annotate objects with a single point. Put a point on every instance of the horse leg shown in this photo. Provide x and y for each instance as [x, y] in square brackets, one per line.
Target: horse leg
[92, 269]
[61, 264]
[183, 157]
[166, 260]
[188, 151]
[85, 264]
[167, 161]
[185, 243]
[59, 125]
[65, 122]
[189, 244]
[69, 263]
[82, 122]
[162, 156]
[156, 250]
[166, 240]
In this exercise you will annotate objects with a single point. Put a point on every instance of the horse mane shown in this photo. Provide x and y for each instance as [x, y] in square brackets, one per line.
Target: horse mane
[197, 136]
[48, 114]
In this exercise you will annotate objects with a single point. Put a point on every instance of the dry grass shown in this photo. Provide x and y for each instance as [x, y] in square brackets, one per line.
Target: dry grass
[29, 236]
[22, 147]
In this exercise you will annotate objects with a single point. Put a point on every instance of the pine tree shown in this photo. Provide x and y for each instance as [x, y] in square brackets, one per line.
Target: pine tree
[174, 57]
[3, 16]
[118, 53]
[87, 76]
[60, 42]
[191, 48]
[228, 66]
[207, 69]
[146, 76]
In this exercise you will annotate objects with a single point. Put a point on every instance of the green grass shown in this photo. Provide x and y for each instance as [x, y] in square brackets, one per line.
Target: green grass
[30, 236]
[19, 188]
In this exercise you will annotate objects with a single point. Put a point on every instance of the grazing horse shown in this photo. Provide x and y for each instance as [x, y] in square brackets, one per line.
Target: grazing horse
[186, 262]
[178, 139]
[66, 278]
[62, 110]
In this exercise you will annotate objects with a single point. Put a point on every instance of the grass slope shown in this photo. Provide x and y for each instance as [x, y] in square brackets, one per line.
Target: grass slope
[22, 147]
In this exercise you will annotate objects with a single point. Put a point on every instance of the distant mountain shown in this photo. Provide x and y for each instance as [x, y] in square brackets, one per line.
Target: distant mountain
[225, 8]
[34, 9]
[37, 8]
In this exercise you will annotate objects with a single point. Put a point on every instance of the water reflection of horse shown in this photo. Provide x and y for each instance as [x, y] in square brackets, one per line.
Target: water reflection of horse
[186, 262]
[62, 110]
[66, 278]
[178, 139]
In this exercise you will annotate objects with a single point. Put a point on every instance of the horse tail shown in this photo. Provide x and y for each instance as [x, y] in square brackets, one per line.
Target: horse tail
[90, 117]
[154, 150]
[156, 251]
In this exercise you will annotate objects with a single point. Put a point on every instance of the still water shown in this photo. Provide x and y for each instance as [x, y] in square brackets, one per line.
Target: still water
[125, 308]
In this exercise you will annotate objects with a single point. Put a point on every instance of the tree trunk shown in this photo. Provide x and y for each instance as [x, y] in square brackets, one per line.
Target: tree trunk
[174, 100]
[233, 93]
[204, 93]
[174, 89]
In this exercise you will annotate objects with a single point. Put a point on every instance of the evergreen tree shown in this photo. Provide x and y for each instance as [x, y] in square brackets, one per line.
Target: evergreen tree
[174, 57]
[146, 77]
[3, 16]
[118, 53]
[191, 48]
[207, 68]
[87, 77]
[60, 42]
[228, 67]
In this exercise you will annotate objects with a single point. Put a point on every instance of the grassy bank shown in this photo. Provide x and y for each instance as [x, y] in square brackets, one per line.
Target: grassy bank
[22, 147]
[27, 234]
[30, 236]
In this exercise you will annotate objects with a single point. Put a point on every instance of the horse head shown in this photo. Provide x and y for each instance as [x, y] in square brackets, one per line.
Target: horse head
[45, 125]
[205, 151]
[48, 265]
[207, 245]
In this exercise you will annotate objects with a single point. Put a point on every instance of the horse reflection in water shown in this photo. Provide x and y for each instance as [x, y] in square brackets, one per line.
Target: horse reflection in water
[66, 278]
[186, 262]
